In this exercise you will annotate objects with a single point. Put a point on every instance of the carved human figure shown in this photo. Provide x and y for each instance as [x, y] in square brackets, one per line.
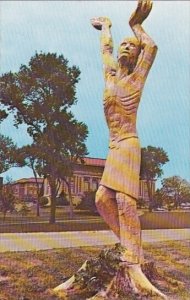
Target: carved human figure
[119, 187]
[124, 82]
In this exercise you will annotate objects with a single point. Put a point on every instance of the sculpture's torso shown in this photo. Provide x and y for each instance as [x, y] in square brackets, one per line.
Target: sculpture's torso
[121, 100]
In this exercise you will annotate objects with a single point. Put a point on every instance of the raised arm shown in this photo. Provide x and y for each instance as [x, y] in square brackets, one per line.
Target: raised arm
[149, 48]
[104, 24]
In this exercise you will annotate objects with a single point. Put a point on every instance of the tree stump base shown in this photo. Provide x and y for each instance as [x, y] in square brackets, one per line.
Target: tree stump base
[106, 277]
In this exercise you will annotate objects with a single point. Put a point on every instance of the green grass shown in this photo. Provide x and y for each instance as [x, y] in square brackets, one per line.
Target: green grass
[33, 275]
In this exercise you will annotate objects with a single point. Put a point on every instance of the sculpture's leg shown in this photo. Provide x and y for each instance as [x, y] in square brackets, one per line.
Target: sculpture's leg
[130, 236]
[107, 208]
[129, 277]
[130, 230]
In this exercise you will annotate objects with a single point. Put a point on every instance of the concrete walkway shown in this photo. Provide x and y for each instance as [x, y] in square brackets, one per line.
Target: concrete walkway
[55, 240]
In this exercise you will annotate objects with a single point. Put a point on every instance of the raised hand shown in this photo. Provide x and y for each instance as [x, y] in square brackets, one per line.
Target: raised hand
[141, 13]
[100, 21]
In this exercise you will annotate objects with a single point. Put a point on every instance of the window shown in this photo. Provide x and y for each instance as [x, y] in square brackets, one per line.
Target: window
[86, 184]
[79, 184]
[94, 184]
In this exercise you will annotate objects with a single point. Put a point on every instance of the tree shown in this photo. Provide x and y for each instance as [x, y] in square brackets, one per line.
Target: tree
[152, 160]
[7, 199]
[40, 95]
[159, 198]
[22, 209]
[176, 189]
[30, 155]
[8, 154]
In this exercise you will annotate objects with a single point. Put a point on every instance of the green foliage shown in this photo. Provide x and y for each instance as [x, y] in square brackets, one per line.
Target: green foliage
[40, 95]
[22, 208]
[43, 201]
[152, 161]
[88, 202]
[158, 198]
[46, 84]
[3, 115]
[175, 190]
[62, 199]
[140, 203]
[30, 156]
[9, 154]
[7, 199]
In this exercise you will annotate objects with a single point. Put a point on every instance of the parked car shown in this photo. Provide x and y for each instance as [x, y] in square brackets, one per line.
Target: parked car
[159, 209]
[185, 205]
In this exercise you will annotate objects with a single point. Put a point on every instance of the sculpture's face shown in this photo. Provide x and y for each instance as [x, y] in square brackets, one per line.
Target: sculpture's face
[129, 51]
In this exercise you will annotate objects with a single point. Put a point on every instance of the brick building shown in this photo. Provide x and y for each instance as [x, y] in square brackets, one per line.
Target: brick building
[26, 188]
[87, 177]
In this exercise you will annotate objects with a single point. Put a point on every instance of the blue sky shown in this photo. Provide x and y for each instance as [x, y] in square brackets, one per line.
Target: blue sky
[64, 27]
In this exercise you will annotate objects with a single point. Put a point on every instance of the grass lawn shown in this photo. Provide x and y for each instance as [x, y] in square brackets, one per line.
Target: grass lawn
[85, 220]
[32, 275]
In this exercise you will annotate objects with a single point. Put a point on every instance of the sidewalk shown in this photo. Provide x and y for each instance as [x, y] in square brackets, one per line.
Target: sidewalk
[55, 240]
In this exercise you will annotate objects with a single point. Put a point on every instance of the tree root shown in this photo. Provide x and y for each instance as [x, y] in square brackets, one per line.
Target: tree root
[106, 277]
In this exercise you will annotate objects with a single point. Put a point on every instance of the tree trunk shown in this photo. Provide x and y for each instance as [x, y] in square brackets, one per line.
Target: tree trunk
[4, 216]
[53, 188]
[53, 202]
[52, 210]
[150, 196]
[40, 193]
[71, 211]
[37, 185]
[106, 277]
[38, 207]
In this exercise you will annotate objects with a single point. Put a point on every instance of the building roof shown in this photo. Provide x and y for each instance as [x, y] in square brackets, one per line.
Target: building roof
[28, 180]
[89, 161]
[100, 162]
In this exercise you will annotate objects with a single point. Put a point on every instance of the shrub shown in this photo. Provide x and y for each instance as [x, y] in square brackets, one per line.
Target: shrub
[7, 200]
[140, 203]
[76, 200]
[62, 200]
[43, 201]
[88, 202]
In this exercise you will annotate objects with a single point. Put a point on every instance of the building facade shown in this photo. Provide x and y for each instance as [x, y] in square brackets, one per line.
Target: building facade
[87, 177]
[26, 188]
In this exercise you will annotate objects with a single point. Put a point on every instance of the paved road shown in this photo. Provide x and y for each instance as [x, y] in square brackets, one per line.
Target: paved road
[51, 240]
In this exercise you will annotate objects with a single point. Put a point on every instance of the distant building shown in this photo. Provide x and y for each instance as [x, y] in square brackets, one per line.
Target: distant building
[86, 177]
[26, 188]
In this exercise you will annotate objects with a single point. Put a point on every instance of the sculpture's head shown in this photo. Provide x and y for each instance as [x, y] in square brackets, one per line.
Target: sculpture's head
[128, 52]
